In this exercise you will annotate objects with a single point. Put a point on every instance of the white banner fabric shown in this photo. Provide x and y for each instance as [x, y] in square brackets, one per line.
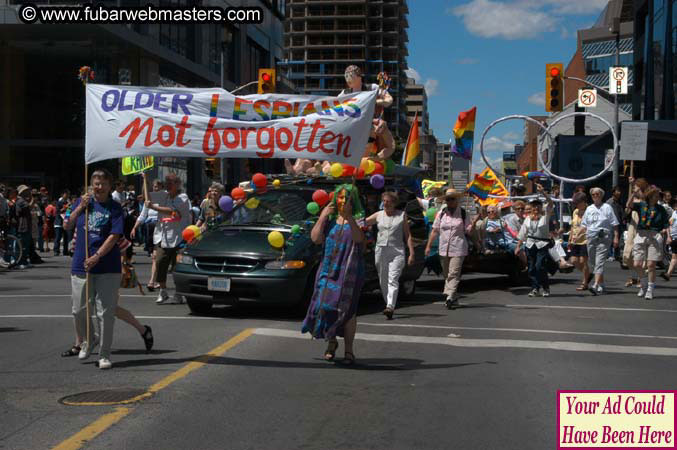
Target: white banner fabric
[180, 122]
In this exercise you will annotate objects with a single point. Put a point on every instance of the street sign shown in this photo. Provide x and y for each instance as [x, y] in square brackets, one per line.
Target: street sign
[136, 164]
[587, 98]
[634, 138]
[618, 80]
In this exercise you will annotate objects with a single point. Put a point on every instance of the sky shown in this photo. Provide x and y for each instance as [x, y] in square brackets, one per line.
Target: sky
[491, 54]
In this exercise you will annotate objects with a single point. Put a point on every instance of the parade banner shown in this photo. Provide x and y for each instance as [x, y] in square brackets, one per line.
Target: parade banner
[127, 121]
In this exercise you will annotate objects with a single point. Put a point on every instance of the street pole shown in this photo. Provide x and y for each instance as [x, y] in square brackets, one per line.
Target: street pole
[222, 161]
[615, 167]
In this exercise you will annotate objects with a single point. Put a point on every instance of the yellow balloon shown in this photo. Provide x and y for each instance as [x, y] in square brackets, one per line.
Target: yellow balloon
[196, 230]
[364, 164]
[336, 170]
[276, 183]
[370, 167]
[252, 203]
[275, 239]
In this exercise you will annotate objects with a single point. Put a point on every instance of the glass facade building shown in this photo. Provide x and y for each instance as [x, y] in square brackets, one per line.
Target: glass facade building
[654, 54]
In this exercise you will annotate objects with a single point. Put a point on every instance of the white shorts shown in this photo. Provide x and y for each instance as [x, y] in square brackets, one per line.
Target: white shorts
[648, 245]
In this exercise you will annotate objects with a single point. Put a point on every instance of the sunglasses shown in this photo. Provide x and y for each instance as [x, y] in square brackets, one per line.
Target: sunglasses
[450, 199]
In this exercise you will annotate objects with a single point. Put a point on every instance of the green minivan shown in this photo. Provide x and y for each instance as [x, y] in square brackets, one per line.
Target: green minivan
[233, 262]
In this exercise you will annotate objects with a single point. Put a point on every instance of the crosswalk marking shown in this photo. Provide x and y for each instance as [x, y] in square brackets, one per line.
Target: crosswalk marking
[489, 343]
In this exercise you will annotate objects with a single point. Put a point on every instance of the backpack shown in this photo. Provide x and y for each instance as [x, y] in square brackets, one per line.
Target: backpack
[463, 213]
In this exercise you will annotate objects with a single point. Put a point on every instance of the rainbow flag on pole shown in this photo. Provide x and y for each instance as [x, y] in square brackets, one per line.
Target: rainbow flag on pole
[464, 132]
[481, 187]
[412, 150]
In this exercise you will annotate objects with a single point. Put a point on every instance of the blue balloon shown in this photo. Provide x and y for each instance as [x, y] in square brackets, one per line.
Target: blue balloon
[377, 181]
[226, 203]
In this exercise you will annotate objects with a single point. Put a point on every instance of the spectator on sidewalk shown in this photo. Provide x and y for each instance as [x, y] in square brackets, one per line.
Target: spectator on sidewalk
[22, 212]
[59, 232]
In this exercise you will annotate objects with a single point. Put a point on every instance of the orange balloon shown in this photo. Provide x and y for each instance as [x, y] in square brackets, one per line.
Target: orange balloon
[348, 170]
[238, 193]
[378, 169]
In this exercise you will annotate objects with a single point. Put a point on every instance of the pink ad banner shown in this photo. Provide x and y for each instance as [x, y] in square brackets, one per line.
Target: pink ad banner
[616, 419]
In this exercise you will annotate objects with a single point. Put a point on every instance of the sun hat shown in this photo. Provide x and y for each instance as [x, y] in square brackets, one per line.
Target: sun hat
[451, 192]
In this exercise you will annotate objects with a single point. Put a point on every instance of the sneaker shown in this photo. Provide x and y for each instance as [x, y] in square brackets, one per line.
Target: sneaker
[533, 293]
[600, 290]
[593, 289]
[451, 304]
[86, 350]
[162, 297]
[642, 291]
[610, 259]
[546, 293]
[649, 294]
[177, 299]
[104, 364]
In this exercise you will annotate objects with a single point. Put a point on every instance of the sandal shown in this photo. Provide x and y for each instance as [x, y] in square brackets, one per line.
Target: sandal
[74, 350]
[330, 352]
[152, 287]
[349, 360]
[147, 337]
[582, 287]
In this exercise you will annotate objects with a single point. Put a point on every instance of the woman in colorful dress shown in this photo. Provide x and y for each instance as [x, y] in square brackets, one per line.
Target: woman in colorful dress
[333, 307]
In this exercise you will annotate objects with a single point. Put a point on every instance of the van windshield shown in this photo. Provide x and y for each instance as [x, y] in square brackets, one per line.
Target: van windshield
[273, 207]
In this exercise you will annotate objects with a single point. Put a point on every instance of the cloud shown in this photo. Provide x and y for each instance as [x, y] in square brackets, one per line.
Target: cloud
[489, 19]
[431, 85]
[413, 73]
[521, 19]
[511, 136]
[564, 33]
[467, 61]
[495, 143]
[537, 99]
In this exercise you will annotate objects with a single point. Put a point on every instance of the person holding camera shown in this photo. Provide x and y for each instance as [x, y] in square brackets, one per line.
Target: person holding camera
[600, 223]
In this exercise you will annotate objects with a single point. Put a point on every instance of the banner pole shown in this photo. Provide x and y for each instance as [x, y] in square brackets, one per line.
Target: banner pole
[89, 343]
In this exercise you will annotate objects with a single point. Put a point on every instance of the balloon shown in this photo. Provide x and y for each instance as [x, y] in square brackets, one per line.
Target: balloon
[238, 194]
[252, 203]
[296, 229]
[378, 168]
[313, 208]
[276, 183]
[320, 197]
[259, 180]
[377, 181]
[196, 230]
[360, 173]
[364, 164]
[348, 170]
[336, 170]
[389, 166]
[430, 214]
[190, 232]
[226, 203]
[370, 167]
[275, 239]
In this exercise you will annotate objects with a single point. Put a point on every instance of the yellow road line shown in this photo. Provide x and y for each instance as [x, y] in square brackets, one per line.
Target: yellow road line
[104, 422]
[93, 429]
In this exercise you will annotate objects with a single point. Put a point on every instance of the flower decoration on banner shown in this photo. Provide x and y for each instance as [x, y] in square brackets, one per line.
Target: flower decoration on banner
[85, 73]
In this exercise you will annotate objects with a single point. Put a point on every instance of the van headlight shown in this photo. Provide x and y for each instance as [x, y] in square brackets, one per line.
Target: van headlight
[185, 259]
[276, 265]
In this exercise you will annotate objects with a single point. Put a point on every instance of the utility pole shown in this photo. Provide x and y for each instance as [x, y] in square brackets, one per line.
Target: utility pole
[616, 28]
[227, 39]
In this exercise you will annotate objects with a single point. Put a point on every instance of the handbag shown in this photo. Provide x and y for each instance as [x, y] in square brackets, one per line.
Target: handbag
[129, 279]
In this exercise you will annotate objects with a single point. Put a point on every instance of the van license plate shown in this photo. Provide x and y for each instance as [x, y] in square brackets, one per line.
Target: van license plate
[218, 284]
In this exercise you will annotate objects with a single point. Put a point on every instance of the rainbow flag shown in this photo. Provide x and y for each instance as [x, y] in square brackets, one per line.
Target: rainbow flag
[464, 132]
[534, 175]
[481, 187]
[497, 188]
[412, 149]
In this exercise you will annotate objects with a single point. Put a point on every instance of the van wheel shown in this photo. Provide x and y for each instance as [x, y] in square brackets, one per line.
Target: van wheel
[407, 289]
[198, 307]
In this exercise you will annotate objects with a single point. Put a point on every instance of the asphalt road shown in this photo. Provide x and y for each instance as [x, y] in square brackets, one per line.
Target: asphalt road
[482, 376]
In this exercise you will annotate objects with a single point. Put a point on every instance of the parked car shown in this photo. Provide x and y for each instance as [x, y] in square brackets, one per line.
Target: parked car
[234, 261]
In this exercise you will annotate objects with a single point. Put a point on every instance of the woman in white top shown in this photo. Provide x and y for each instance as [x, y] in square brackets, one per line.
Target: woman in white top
[535, 234]
[599, 222]
[148, 217]
[393, 231]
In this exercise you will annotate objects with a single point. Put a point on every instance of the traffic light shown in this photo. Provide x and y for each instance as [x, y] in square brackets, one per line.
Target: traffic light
[554, 87]
[266, 81]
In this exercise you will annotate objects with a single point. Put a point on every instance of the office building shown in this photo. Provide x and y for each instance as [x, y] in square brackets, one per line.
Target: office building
[322, 38]
[42, 101]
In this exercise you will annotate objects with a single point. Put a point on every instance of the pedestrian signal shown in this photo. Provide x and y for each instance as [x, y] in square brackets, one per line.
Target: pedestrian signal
[266, 81]
[554, 87]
